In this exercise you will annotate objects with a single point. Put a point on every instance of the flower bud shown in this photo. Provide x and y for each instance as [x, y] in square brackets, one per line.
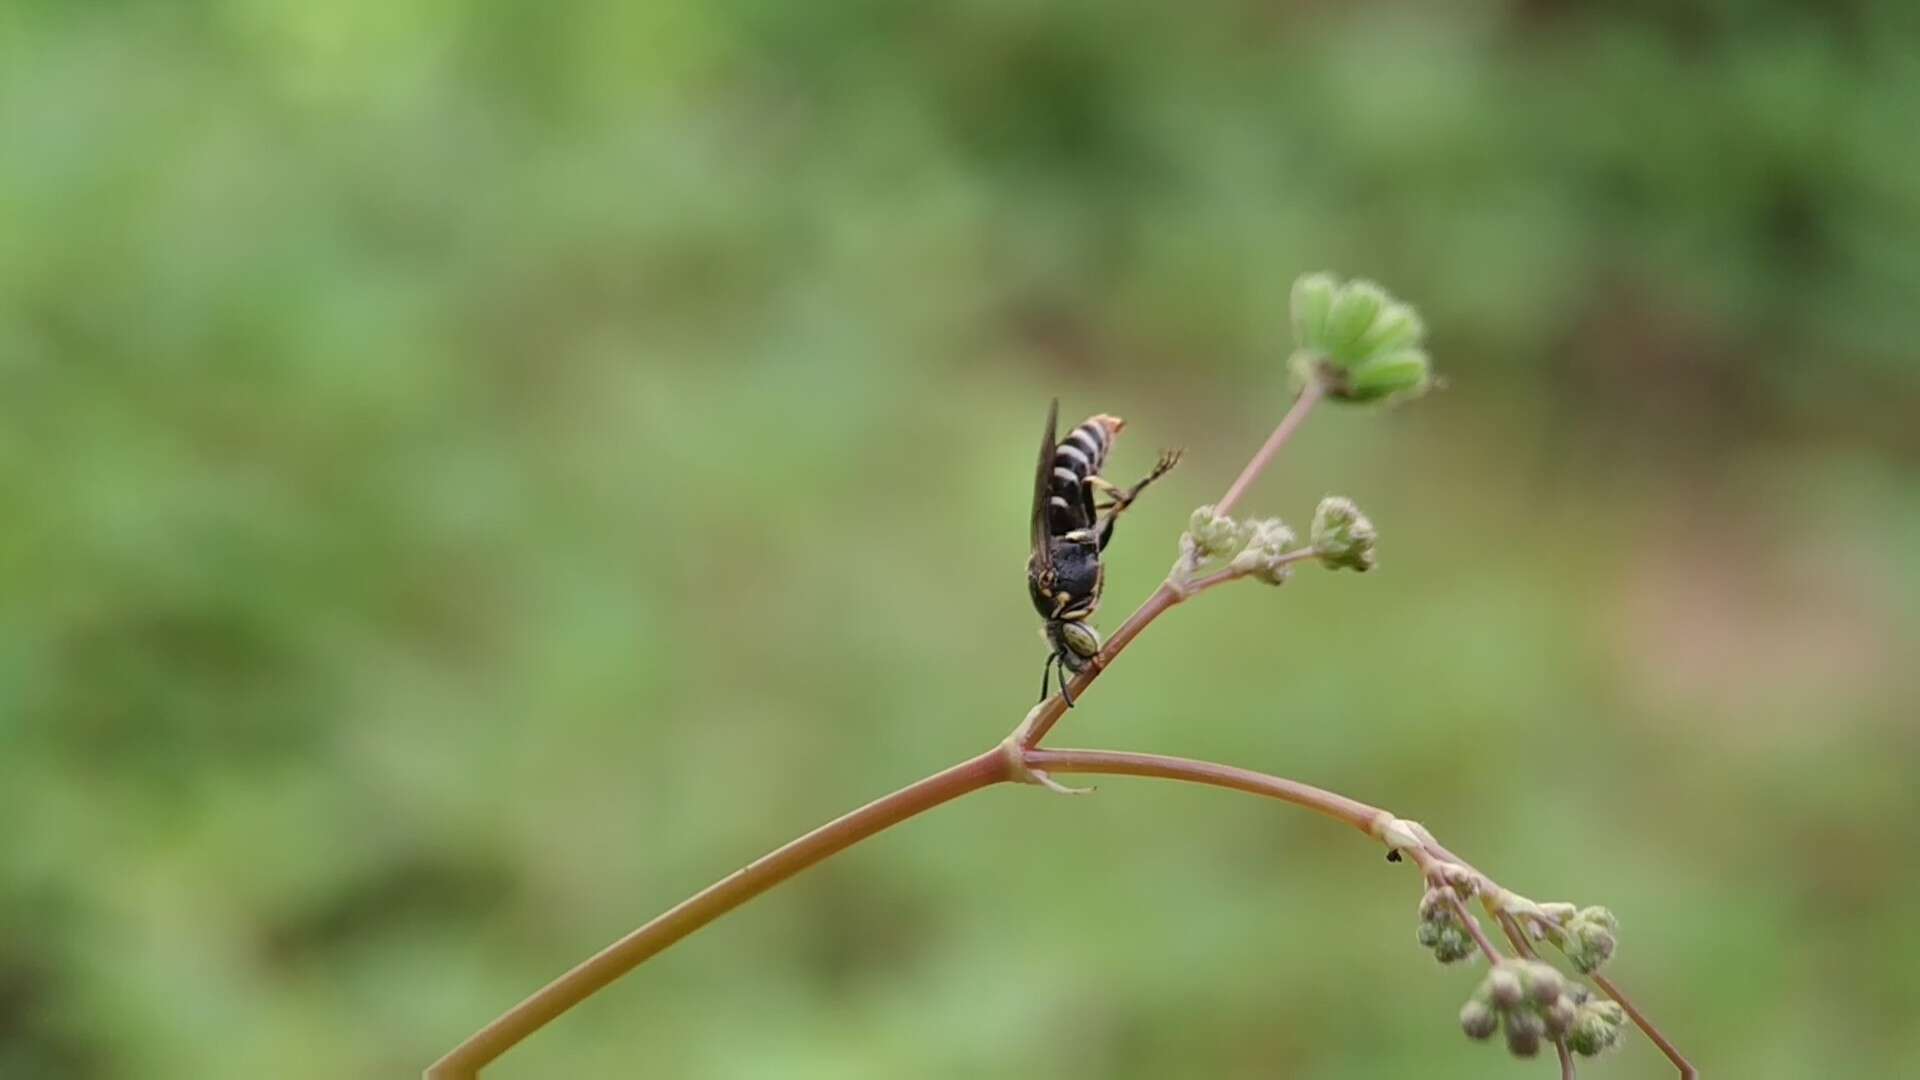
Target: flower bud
[1559, 1017]
[1214, 534]
[1503, 987]
[1460, 878]
[1400, 373]
[1312, 300]
[1544, 984]
[1454, 945]
[1523, 1033]
[1342, 535]
[1350, 320]
[1478, 1020]
[1432, 903]
[1596, 1027]
[1590, 939]
[1264, 555]
[1559, 911]
[1397, 326]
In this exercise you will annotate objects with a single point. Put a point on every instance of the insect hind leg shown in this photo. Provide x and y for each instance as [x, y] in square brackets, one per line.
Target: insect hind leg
[1123, 497]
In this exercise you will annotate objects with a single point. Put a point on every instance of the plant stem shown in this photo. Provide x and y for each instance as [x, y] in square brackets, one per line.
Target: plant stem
[1290, 423]
[710, 903]
[1472, 924]
[1041, 720]
[1687, 1071]
[1120, 763]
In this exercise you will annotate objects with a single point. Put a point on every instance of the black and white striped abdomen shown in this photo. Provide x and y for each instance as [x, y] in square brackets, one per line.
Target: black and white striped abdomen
[1079, 455]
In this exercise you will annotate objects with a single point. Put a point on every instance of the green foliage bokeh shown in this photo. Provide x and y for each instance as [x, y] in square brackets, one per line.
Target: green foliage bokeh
[471, 474]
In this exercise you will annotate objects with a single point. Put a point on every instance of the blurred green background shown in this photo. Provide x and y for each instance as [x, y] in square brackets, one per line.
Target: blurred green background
[473, 473]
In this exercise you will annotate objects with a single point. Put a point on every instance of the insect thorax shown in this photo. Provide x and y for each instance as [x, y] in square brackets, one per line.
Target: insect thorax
[1076, 571]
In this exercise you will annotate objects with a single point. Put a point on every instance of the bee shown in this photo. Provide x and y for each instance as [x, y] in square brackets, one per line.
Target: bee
[1070, 530]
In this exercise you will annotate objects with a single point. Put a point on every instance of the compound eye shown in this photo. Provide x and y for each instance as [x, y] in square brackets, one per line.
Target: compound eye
[1080, 638]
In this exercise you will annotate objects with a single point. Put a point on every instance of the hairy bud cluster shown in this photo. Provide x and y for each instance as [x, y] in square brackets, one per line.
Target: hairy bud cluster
[1263, 557]
[1590, 939]
[1256, 548]
[1587, 936]
[1533, 1002]
[1357, 341]
[1215, 535]
[1342, 535]
[1440, 928]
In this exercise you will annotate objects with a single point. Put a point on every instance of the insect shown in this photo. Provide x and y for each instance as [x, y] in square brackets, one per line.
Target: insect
[1070, 530]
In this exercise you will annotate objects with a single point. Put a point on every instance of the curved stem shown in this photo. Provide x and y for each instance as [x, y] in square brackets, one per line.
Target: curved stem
[710, 903]
[1120, 763]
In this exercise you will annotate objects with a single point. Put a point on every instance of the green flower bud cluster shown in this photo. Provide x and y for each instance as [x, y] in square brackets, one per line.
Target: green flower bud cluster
[1530, 999]
[1440, 928]
[1357, 341]
[1217, 536]
[1587, 936]
[1257, 548]
[1264, 555]
[1596, 1027]
[1343, 536]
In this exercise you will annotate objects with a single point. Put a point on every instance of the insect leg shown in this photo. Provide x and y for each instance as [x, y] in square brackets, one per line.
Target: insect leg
[1046, 675]
[1123, 497]
[1066, 692]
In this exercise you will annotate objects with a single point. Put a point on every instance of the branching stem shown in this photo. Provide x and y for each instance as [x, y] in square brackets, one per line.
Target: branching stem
[1018, 758]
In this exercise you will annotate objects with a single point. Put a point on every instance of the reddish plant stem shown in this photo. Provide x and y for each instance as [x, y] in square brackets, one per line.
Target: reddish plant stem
[1472, 924]
[1297, 415]
[716, 900]
[1120, 763]
[1687, 1071]
[1041, 721]
[1567, 1071]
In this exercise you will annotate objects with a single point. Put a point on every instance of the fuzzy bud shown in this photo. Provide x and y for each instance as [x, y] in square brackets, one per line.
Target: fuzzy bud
[1503, 987]
[1264, 555]
[1453, 946]
[1524, 1030]
[1558, 911]
[1559, 1017]
[1590, 939]
[1215, 535]
[1596, 1027]
[1343, 535]
[1478, 1020]
[1544, 984]
[1432, 904]
[1460, 878]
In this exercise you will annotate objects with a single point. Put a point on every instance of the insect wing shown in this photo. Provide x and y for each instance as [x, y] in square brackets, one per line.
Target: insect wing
[1041, 538]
